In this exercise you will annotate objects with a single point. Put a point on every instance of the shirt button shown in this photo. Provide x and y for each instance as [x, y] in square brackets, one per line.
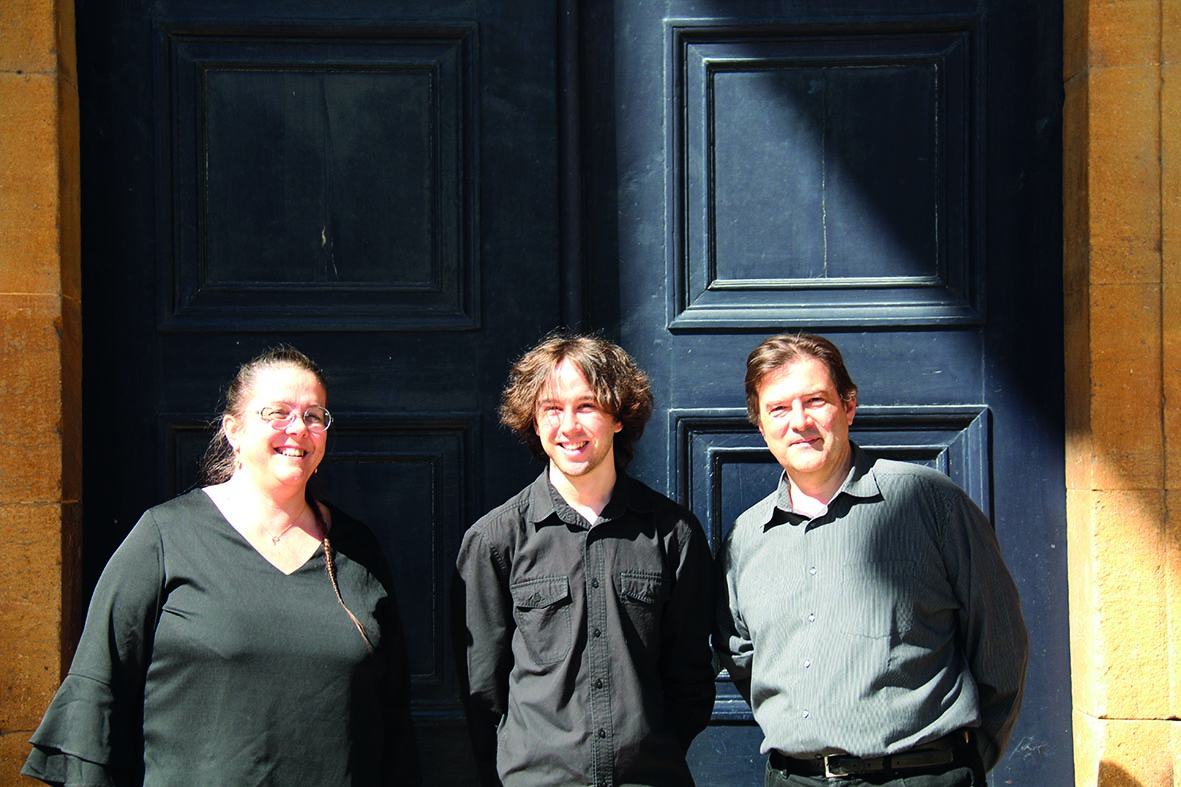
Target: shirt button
[807, 664]
[598, 632]
[807, 714]
[595, 582]
[811, 617]
[599, 683]
[812, 570]
[602, 733]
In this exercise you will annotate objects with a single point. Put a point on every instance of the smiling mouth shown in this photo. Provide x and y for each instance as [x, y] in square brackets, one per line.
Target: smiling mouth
[575, 447]
[291, 452]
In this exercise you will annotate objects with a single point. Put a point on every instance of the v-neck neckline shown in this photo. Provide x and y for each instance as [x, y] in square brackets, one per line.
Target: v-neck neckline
[246, 542]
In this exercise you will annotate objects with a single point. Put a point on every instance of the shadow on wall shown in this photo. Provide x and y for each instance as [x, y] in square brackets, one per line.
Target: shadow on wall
[1112, 775]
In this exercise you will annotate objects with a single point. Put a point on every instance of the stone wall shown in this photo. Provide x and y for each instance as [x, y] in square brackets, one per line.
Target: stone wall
[40, 364]
[1122, 280]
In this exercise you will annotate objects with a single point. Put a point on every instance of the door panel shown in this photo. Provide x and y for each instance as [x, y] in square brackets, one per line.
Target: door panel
[887, 176]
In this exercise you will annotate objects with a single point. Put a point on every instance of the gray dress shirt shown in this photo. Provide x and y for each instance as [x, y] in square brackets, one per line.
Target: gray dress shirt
[885, 622]
[585, 650]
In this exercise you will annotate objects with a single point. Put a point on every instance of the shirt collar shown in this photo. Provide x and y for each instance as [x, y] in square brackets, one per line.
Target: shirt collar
[548, 507]
[860, 483]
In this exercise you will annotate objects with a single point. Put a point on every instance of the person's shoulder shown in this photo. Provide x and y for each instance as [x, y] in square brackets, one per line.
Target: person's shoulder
[757, 515]
[748, 525]
[893, 474]
[669, 515]
[180, 510]
[185, 501]
[511, 513]
[644, 497]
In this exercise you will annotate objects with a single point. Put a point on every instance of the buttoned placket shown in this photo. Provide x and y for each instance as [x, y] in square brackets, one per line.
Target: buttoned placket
[810, 599]
[598, 660]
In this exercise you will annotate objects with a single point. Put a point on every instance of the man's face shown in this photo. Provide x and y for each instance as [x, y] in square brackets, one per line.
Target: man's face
[576, 433]
[806, 425]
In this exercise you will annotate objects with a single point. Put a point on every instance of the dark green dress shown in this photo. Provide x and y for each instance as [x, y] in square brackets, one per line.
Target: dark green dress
[203, 664]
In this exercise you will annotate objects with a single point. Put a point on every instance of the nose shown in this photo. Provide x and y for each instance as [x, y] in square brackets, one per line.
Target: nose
[568, 420]
[798, 419]
[296, 418]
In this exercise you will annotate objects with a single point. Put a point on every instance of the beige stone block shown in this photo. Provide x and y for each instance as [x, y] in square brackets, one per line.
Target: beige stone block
[1171, 382]
[1124, 32]
[1125, 395]
[1120, 605]
[1172, 543]
[1076, 277]
[29, 35]
[14, 748]
[1076, 129]
[1088, 691]
[69, 328]
[1171, 169]
[1171, 32]
[31, 385]
[1079, 444]
[1125, 260]
[30, 612]
[1123, 164]
[1075, 38]
[69, 195]
[1133, 753]
[29, 184]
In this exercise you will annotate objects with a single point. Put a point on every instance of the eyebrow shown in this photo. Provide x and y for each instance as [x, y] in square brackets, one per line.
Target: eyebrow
[820, 392]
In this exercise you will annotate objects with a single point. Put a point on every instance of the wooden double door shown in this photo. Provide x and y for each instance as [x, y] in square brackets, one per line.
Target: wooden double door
[414, 191]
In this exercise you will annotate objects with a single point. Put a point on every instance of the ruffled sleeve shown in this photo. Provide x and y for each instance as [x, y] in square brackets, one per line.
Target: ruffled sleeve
[92, 733]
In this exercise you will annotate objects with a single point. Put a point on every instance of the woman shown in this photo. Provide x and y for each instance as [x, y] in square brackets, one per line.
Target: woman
[244, 633]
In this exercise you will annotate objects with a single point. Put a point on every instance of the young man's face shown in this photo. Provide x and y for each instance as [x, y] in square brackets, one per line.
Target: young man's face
[806, 424]
[576, 433]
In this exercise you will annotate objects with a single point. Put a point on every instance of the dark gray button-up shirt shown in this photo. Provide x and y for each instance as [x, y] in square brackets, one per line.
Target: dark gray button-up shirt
[888, 621]
[585, 650]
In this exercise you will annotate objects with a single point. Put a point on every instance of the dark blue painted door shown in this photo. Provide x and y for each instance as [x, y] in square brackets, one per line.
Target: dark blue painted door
[413, 191]
[886, 174]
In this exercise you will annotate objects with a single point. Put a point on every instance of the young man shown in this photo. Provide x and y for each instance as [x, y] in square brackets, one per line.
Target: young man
[587, 599]
[865, 611]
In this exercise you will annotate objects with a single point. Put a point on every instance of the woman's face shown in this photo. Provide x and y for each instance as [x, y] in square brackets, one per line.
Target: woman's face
[285, 457]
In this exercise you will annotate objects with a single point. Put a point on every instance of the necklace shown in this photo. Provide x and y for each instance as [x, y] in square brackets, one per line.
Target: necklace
[276, 538]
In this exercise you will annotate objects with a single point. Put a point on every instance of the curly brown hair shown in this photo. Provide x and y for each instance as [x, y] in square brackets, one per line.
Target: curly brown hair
[775, 352]
[621, 388]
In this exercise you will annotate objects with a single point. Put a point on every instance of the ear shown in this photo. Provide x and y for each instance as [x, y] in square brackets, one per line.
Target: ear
[233, 429]
[851, 409]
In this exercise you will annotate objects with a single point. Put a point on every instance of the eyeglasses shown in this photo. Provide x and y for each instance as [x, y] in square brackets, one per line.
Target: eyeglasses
[315, 418]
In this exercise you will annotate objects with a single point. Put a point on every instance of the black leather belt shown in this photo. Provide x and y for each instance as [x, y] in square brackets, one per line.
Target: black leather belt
[837, 766]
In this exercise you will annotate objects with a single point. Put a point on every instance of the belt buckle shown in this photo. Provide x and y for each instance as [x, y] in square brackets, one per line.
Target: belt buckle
[829, 773]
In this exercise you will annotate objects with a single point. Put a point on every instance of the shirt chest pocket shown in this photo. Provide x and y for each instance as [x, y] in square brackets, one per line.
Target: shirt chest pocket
[641, 599]
[878, 598]
[542, 611]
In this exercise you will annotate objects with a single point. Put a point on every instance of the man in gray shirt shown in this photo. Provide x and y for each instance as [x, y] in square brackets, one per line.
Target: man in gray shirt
[864, 609]
[585, 602]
